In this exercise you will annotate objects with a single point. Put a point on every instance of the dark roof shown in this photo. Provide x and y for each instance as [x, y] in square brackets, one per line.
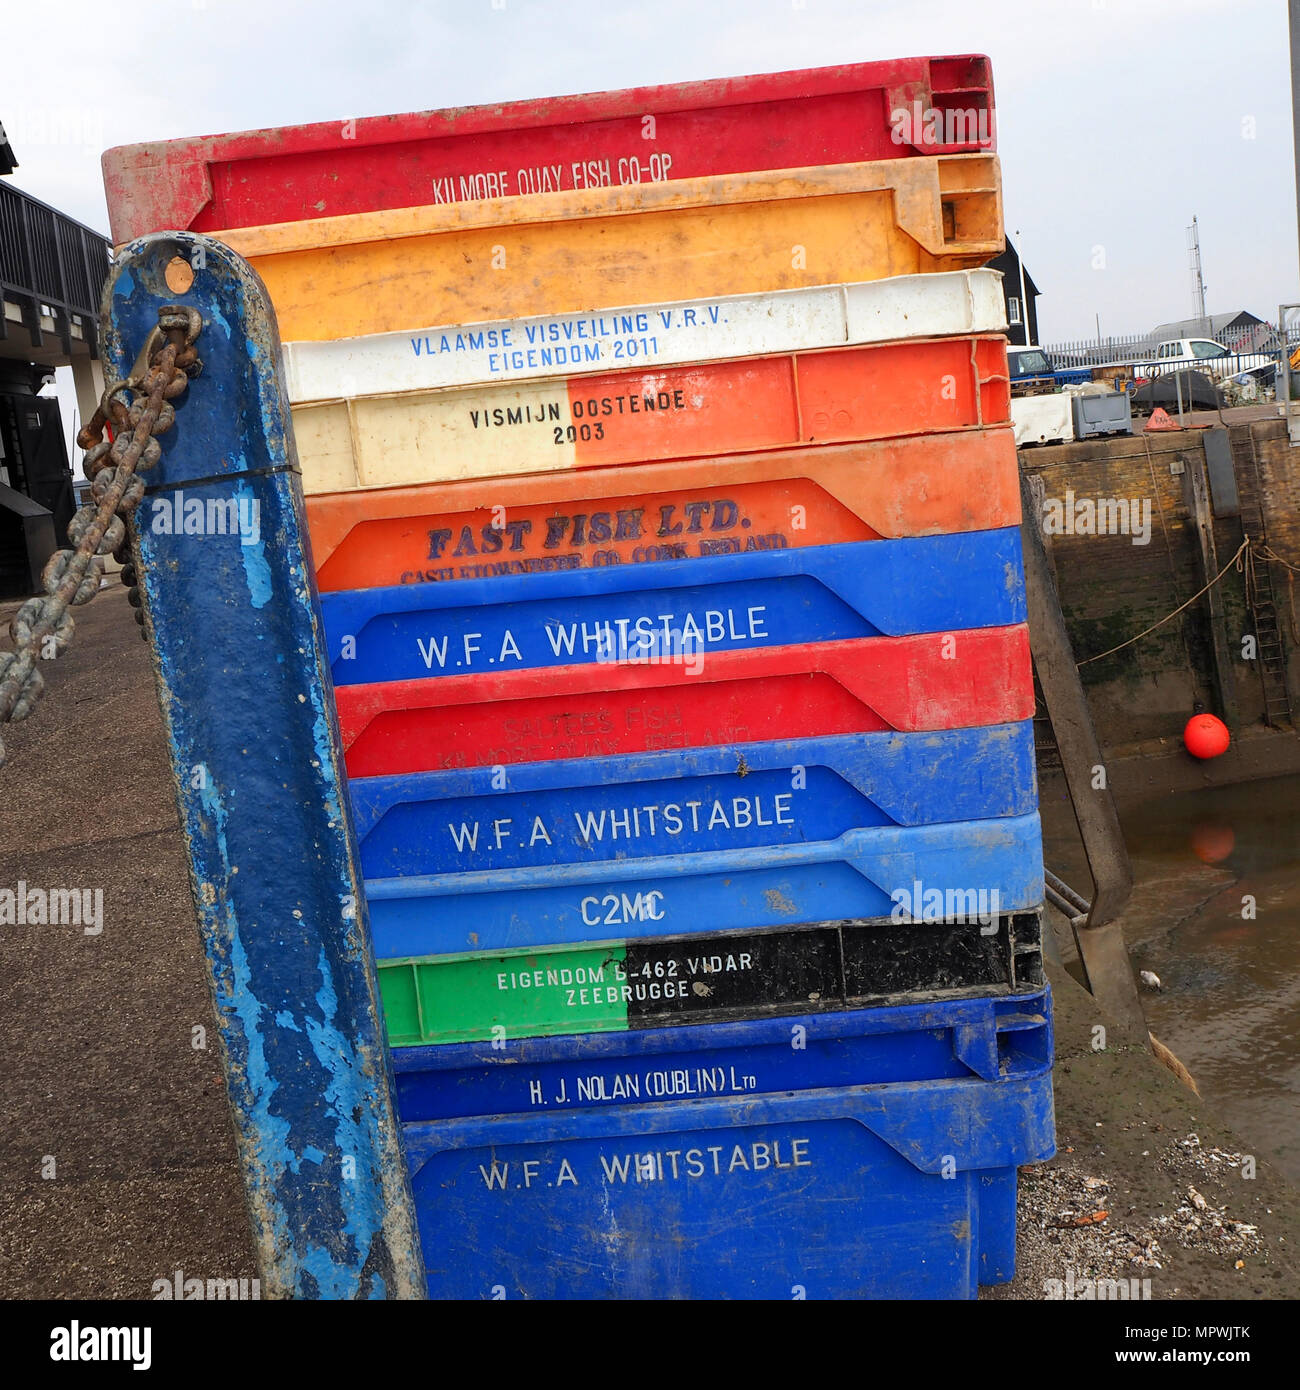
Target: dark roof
[1009, 264]
[7, 161]
[1208, 327]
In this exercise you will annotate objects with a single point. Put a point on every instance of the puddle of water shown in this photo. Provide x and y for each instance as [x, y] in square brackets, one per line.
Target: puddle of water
[1216, 915]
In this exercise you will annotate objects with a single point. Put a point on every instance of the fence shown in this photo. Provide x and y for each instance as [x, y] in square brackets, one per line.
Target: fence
[1252, 342]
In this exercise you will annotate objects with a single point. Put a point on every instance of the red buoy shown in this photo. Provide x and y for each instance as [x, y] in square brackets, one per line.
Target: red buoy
[1206, 736]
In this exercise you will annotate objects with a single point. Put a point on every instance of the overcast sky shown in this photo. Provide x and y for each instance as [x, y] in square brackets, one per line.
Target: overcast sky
[1117, 119]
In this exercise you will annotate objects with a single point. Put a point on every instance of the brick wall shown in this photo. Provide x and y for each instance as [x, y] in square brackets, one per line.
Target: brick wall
[1112, 588]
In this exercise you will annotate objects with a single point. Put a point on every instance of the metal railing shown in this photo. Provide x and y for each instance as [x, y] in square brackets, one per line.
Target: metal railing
[1252, 342]
[1247, 375]
[50, 264]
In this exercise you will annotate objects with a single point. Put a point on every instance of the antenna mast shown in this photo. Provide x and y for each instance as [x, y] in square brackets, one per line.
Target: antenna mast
[1198, 282]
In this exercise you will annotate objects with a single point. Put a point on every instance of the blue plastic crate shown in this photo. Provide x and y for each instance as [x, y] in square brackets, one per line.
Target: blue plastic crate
[992, 1038]
[664, 981]
[986, 867]
[688, 801]
[668, 611]
[876, 1163]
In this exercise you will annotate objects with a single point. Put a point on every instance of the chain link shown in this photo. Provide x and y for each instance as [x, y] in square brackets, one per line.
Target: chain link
[43, 627]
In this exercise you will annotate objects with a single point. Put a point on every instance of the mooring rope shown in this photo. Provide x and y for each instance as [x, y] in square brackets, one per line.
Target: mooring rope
[1236, 560]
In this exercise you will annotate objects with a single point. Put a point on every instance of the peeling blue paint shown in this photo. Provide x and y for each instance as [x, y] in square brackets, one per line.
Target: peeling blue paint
[218, 317]
[321, 736]
[244, 693]
[256, 568]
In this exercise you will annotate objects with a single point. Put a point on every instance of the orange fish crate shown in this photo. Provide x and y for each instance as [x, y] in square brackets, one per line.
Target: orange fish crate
[820, 495]
[881, 391]
[550, 253]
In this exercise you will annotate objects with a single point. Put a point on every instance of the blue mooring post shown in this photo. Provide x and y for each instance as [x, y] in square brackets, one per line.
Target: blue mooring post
[225, 576]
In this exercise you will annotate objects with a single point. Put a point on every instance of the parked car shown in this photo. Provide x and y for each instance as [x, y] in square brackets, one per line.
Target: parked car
[1206, 356]
[1033, 364]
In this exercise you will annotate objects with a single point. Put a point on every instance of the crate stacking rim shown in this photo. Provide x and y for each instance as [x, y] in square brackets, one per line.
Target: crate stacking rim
[668, 613]
[676, 333]
[404, 269]
[597, 518]
[860, 874]
[585, 810]
[747, 404]
[832, 115]
[929, 681]
[659, 982]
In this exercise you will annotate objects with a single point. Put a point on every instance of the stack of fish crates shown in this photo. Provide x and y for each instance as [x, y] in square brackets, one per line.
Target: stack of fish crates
[664, 511]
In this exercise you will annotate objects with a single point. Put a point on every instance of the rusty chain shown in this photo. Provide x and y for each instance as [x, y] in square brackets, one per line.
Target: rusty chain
[43, 627]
